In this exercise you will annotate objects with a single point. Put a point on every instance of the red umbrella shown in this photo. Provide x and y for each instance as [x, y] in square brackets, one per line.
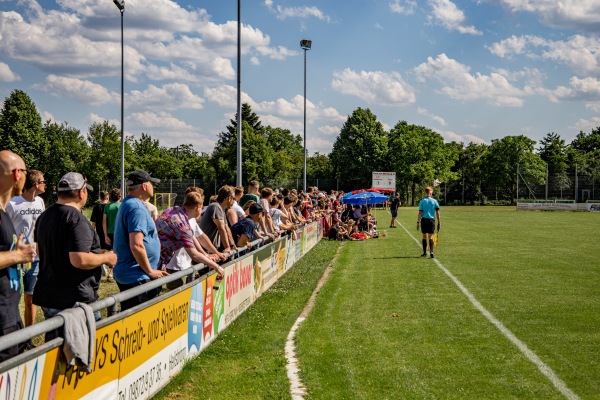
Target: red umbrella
[380, 190]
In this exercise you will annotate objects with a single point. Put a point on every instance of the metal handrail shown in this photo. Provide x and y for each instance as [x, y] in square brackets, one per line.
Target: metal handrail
[110, 303]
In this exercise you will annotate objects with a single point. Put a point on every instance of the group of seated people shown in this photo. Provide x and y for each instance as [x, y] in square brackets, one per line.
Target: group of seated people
[353, 222]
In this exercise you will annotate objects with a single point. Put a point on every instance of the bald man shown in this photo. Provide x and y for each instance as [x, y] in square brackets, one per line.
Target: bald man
[13, 251]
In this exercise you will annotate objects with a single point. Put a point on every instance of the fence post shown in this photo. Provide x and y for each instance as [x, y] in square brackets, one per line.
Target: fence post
[576, 183]
[547, 177]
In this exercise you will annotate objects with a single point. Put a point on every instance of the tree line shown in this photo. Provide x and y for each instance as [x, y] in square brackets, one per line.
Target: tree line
[417, 154]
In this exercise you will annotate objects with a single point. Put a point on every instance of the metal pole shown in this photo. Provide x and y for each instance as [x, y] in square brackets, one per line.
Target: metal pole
[517, 183]
[547, 176]
[122, 105]
[239, 96]
[304, 173]
[576, 183]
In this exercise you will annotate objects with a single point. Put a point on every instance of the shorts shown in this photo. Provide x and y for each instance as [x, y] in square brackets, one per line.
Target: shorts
[30, 277]
[427, 225]
[394, 213]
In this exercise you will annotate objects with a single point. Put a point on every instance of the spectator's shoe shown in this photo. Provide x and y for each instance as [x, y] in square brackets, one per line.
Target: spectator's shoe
[431, 255]
[424, 255]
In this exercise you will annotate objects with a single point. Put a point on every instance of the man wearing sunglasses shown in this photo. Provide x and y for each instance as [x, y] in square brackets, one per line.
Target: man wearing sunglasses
[13, 250]
[24, 210]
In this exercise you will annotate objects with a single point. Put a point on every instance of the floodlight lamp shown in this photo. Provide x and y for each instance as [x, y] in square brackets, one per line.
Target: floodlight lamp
[120, 4]
[304, 43]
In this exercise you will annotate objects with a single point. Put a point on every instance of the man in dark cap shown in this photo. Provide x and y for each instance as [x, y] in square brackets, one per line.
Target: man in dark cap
[244, 231]
[69, 250]
[136, 240]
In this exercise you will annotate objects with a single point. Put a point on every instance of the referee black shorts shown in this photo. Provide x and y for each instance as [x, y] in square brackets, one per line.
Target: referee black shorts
[427, 225]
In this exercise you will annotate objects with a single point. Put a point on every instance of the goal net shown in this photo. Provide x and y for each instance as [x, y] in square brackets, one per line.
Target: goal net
[164, 200]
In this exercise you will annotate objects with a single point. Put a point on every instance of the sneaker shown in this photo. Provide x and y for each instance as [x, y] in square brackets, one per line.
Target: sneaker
[431, 255]
[424, 255]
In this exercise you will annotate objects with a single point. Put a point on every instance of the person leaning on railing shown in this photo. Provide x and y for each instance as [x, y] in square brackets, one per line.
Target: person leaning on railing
[177, 231]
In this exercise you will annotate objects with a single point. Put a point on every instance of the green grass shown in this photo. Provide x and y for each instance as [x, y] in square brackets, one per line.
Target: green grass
[246, 361]
[392, 325]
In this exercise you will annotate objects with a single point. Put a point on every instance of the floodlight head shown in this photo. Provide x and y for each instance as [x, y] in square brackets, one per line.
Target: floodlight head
[304, 43]
[120, 4]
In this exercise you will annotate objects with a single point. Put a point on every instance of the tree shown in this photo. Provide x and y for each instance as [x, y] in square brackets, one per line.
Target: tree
[287, 153]
[21, 129]
[224, 157]
[67, 151]
[319, 166]
[553, 150]
[163, 163]
[105, 153]
[360, 149]
[419, 156]
[468, 171]
[511, 155]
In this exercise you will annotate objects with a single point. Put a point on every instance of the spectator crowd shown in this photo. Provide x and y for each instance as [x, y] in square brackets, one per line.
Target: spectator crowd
[56, 257]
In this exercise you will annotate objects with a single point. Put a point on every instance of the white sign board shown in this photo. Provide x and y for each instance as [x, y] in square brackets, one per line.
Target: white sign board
[384, 180]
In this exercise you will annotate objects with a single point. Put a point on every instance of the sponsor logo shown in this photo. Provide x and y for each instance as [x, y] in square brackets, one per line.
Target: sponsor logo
[31, 211]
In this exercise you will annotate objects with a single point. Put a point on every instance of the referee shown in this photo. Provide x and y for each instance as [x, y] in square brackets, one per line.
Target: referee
[429, 209]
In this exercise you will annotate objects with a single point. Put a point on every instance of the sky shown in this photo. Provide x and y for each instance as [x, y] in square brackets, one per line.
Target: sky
[471, 70]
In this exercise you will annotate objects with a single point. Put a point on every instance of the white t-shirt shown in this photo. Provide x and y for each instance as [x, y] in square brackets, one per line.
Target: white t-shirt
[238, 210]
[23, 214]
[152, 209]
[276, 217]
[181, 259]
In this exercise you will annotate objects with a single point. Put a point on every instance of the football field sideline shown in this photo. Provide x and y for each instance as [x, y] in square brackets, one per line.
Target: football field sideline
[531, 356]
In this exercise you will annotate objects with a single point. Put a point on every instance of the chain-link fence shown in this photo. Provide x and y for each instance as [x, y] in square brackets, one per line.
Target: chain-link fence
[556, 187]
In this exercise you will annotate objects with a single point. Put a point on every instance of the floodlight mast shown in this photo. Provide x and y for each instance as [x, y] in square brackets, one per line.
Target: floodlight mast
[306, 45]
[121, 6]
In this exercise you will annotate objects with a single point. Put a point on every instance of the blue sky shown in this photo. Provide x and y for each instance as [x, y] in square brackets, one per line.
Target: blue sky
[470, 70]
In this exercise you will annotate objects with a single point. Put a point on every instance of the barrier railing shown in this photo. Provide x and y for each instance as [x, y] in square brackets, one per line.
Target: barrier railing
[140, 349]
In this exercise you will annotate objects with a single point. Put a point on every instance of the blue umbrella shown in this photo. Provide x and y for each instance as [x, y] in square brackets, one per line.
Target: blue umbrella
[364, 198]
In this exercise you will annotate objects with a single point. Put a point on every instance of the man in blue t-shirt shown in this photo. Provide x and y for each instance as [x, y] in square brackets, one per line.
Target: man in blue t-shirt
[136, 240]
[429, 209]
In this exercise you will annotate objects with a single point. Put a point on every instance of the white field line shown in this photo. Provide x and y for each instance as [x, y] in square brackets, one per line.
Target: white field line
[531, 356]
[297, 389]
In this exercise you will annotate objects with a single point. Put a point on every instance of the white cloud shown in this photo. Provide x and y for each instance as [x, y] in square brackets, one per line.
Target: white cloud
[434, 117]
[575, 14]
[406, 7]
[296, 12]
[170, 130]
[580, 53]
[586, 125]
[170, 97]
[387, 89]
[6, 75]
[77, 89]
[459, 83]
[580, 89]
[95, 118]
[225, 96]
[330, 130]
[451, 17]
[455, 137]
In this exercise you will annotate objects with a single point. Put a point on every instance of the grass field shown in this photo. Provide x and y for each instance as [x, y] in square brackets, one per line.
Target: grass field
[391, 325]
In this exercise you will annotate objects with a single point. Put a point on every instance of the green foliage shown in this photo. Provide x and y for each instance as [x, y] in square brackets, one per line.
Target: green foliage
[21, 129]
[67, 151]
[509, 155]
[419, 156]
[318, 165]
[105, 147]
[468, 169]
[287, 157]
[360, 149]
[553, 150]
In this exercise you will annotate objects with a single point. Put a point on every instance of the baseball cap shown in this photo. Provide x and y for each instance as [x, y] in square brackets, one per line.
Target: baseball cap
[139, 177]
[73, 181]
[255, 209]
